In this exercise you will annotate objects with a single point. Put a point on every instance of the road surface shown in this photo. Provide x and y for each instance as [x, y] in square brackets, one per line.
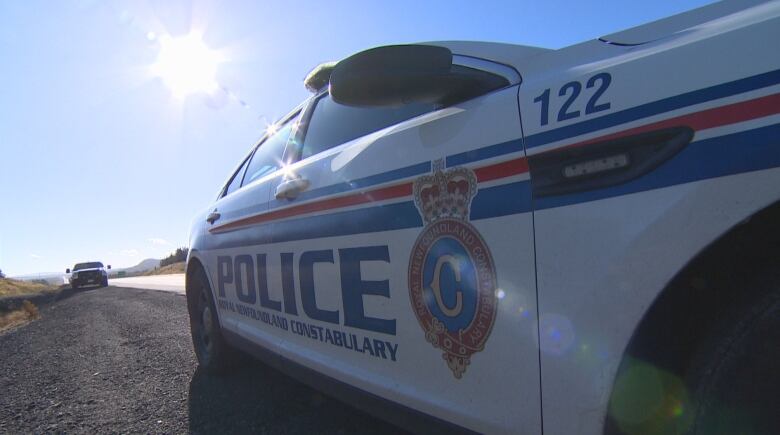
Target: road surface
[171, 283]
[120, 360]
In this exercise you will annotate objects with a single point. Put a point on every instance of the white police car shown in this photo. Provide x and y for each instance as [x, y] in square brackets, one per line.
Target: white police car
[507, 239]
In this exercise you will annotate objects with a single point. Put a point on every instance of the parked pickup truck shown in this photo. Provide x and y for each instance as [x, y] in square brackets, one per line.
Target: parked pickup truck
[91, 273]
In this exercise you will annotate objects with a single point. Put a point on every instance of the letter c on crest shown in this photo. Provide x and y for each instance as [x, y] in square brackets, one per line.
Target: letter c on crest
[436, 288]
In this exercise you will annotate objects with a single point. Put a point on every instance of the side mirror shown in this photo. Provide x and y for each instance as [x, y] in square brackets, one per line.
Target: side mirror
[67, 270]
[109, 267]
[402, 74]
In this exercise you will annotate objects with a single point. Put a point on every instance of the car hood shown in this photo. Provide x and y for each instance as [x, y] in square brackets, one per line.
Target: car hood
[88, 270]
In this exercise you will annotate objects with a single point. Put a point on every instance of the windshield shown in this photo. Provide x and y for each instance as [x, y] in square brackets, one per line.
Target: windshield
[93, 265]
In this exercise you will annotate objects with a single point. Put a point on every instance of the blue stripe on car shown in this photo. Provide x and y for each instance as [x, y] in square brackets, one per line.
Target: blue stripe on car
[654, 108]
[496, 201]
[729, 154]
[710, 158]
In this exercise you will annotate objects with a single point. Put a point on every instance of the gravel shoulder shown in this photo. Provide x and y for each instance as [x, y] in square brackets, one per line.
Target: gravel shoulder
[121, 360]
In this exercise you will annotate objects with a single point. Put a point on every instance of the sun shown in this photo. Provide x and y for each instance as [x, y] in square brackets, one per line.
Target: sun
[187, 65]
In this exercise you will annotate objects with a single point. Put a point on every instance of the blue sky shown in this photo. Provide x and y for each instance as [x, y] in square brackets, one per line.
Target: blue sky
[100, 160]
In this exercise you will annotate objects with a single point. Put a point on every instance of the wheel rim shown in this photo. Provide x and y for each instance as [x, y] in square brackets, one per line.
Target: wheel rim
[206, 326]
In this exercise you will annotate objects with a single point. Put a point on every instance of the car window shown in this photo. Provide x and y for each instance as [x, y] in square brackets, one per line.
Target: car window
[235, 182]
[332, 124]
[268, 156]
[93, 265]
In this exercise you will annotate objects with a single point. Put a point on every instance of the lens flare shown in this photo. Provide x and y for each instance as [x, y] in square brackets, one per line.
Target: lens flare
[645, 396]
[556, 334]
[677, 409]
[186, 65]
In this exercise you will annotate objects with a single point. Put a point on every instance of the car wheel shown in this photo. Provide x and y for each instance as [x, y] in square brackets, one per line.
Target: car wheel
[214, 354]
[734, 381]
[74, 286]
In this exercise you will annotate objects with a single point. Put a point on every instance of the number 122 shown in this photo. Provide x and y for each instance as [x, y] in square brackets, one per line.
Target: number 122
[592, 106]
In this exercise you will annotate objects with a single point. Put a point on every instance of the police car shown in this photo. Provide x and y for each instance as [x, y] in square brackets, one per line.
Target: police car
[468, 236]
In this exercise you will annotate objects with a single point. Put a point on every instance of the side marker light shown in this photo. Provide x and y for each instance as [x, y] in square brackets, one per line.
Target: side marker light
[596, 166]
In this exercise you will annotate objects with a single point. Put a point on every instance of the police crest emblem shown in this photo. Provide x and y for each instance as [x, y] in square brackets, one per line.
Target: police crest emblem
[452, 277]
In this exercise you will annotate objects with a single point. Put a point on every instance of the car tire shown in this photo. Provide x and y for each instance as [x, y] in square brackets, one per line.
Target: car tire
[733, 381]
[214, 354]
[74, 286]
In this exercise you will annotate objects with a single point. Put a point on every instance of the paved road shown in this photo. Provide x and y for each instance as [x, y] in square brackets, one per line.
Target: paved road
[171, 283]
[120, 360]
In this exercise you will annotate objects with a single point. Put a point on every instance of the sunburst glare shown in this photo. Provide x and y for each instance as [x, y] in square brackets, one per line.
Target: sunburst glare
[187, 65]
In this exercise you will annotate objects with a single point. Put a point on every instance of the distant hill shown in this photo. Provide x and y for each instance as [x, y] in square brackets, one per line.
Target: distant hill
[143, 266]
[140, 268]
[169, 269]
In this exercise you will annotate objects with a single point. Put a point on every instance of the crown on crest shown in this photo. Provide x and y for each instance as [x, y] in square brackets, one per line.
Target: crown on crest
[445, 193]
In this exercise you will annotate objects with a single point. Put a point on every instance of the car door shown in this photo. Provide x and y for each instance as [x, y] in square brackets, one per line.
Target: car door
[234, 266]
[641, 156]
[402, 243]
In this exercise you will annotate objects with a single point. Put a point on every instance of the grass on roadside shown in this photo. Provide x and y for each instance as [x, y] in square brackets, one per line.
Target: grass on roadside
[27, 313]
[14, 287]
[167, 270]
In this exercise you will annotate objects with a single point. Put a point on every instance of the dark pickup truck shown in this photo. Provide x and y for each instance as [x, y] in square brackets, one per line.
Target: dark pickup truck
[91, 273]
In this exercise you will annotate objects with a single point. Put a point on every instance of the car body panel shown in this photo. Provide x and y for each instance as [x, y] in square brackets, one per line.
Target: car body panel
[678, 23]
[384, 217]
[596, 258]
[603, 256]
[251, 199]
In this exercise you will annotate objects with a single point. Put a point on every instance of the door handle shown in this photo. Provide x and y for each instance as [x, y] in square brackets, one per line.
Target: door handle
[213, 217]
[606, 163]
[290, 189]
